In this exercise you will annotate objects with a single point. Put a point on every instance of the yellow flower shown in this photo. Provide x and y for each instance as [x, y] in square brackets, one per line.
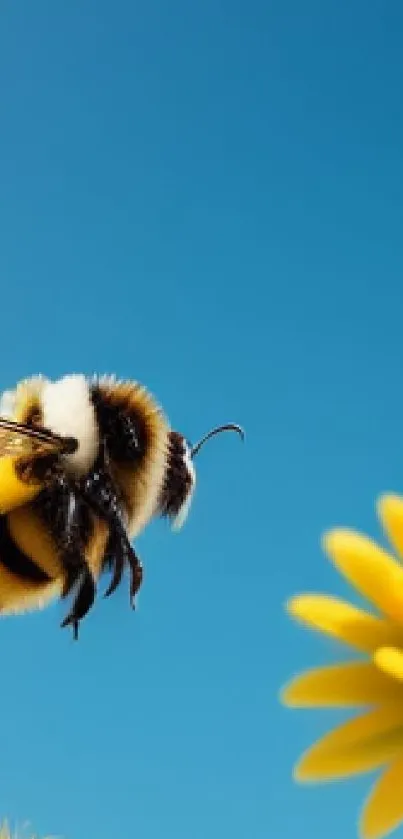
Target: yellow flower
[373, 739]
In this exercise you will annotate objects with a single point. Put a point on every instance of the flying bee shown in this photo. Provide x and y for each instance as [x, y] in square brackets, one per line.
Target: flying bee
[85, 464]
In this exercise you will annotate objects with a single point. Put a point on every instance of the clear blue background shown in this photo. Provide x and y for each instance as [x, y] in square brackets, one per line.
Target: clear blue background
[205, 196]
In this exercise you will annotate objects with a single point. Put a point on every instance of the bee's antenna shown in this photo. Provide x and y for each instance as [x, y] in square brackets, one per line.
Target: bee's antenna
[229, 427]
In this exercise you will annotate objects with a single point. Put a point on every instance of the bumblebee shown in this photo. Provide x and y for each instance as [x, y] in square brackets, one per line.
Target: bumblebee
[85, 464]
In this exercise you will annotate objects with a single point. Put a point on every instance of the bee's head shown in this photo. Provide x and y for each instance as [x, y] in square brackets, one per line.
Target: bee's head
[180, 476]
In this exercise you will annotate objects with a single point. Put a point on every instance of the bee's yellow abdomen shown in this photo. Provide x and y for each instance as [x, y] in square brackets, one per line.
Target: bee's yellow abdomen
[30, 573]
[13, 491]
[31, 569]
[34, 540]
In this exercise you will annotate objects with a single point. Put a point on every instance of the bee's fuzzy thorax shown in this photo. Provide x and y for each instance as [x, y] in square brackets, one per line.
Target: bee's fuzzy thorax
[142, 484]
[67, 409]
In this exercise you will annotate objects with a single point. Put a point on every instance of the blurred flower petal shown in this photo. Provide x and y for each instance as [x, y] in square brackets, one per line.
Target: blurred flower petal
[357, 746]
[390, 661]
[383, 810]
[342, 685]
[390, 512]
[369, 568]
[345, 622]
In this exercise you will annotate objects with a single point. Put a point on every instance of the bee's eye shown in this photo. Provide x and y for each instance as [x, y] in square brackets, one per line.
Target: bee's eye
[179, 478]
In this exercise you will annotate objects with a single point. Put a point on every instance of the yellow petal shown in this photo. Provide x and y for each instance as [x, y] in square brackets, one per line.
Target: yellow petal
[383, 810]
[369, 568]
[340, 620]
[390, 661]
[390, 512]
[360, 745]
[342, 685]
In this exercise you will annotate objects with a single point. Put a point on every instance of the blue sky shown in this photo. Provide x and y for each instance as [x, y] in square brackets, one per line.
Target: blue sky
[206, 197]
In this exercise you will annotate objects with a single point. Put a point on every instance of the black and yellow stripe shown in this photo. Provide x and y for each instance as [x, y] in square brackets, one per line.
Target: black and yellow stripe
[31, 574]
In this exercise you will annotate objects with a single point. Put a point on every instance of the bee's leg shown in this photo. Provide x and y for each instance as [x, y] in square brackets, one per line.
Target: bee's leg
[77, 571]
[136, 577]
[116, 562]
[83, 601]
[122, 552]
[99, 492]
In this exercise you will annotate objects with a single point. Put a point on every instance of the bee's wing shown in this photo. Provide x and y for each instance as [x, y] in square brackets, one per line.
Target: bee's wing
[19, 440]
